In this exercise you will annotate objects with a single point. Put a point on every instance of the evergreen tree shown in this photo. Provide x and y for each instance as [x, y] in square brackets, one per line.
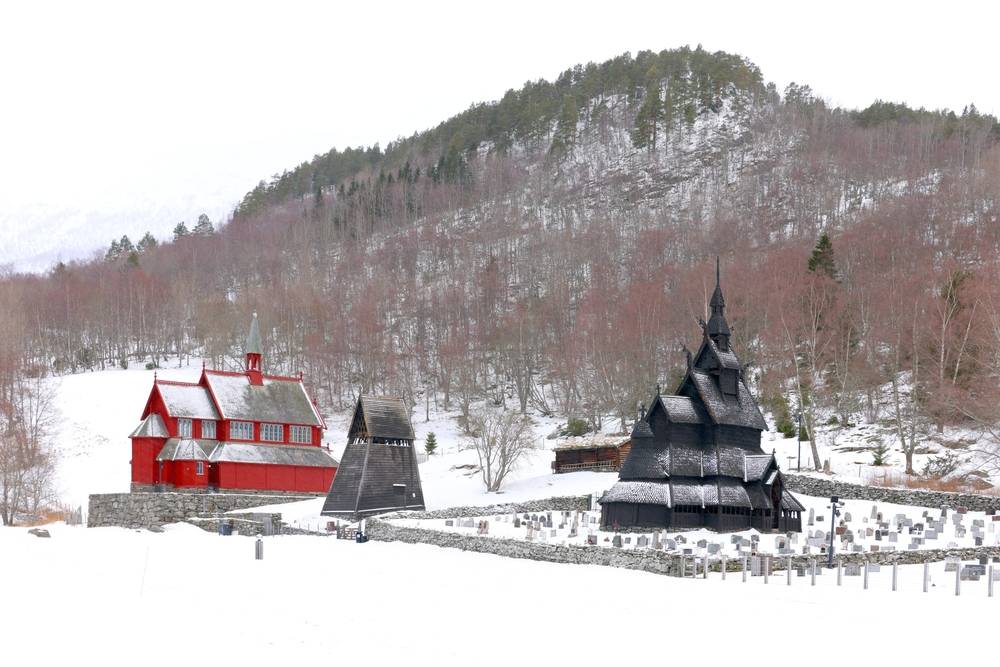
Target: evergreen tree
[113, 253]
[430, 444]
[180, 231]
[204, 226]
[566, 127]
[822, 260]
[146, 243]
[650, 113]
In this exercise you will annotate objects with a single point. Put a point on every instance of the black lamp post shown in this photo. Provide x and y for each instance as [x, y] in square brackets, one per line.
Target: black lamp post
[798, 436]
[835, 505]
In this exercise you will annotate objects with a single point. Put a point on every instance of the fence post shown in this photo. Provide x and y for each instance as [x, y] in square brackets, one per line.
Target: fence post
[989, 584]
[813, 573]
[840, 570]
[767, 567]
[704, 567]
[725, 562]
[894, 575]
[958, 579]
[866, 575]
[744, 569]
[258, 550]
[927, 575]
[788, 574]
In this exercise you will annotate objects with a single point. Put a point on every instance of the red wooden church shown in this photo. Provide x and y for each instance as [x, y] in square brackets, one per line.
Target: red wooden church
[232, 431]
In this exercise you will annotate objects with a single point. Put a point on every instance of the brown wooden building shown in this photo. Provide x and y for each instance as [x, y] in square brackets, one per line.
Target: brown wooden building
[598, 454]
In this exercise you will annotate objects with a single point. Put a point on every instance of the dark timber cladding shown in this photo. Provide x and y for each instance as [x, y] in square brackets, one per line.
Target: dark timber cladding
[696, 459]
[378, 472]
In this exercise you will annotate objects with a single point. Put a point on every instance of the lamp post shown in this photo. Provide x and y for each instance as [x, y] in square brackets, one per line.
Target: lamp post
[835, 505]
[798, 436]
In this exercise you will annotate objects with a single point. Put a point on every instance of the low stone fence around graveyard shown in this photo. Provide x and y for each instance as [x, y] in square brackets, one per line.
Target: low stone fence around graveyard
[824, 488]
[646, 560]
[556, 504]
[144, 510]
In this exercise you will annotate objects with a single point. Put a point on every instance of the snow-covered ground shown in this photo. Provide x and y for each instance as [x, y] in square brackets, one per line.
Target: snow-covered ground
[121, 597]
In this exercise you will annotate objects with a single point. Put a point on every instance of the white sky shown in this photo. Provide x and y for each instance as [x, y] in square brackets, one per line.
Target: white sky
[121, 117]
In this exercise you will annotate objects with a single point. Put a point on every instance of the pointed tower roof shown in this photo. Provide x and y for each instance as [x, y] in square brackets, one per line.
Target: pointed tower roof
[717, 325]
[253, 344]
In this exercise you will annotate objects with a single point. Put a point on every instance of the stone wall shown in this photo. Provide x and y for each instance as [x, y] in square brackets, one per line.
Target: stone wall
[143, 510]
[824, 488]
[557, 504]
[645, 560]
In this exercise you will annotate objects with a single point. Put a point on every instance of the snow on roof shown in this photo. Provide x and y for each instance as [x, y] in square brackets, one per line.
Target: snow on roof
[276, 400]
[727, 358]
[681, 410]
[293, 455]
[790, 502]
[742, 411]
[187, 400]
[644, 493]
[647, 462]
[756, 466]
[598, 441]
[185, 449]
[150, 427]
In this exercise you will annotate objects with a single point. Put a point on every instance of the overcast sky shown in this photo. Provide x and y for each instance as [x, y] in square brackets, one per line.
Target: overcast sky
[121, 117]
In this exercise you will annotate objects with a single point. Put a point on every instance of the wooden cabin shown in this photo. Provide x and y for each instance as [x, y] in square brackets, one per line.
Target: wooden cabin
[598, 454]
[232, 431]
[378, 472]
[696, 459]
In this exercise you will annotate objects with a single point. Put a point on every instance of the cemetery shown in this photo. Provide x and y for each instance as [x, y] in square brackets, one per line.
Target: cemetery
[870, 541]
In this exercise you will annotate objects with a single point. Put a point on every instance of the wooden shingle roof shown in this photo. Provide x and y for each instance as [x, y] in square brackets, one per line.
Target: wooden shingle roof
[386, 418]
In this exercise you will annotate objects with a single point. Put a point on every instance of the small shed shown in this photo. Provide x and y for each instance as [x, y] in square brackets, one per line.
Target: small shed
[598, 453]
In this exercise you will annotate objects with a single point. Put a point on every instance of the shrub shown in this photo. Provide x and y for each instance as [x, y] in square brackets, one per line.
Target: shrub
[576, 427]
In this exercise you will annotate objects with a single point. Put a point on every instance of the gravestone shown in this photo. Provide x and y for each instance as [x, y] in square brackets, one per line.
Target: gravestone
[951, 564]
[874, 512]
[517, 522]
[449, 522]
[852, 570]
[893, 537]
[812, 516]
[847, 516]
[617, 542]
[714, 548]
[642, 541]
[592, 540]
[628, 540]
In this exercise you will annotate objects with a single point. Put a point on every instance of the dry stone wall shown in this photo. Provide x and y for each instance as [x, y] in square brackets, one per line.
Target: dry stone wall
[824, 488]
[144, 510]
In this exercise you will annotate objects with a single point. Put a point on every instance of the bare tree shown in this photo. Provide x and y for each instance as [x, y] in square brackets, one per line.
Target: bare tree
[500, 439]
[27, 464]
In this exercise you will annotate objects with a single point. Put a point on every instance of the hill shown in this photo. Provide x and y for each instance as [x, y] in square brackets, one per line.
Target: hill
[550, 251]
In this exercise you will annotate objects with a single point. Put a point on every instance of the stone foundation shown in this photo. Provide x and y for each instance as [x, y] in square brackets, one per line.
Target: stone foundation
[143, 510]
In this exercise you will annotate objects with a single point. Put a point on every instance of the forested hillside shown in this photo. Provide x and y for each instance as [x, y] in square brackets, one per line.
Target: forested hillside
[553, 250]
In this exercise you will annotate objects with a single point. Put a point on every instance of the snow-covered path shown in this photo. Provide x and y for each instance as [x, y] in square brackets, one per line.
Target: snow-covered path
[116, 597]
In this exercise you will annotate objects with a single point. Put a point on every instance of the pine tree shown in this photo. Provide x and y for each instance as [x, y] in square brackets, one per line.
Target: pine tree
[566, 127]
[180, 231]
[146, 243]
[822, 260]
[650, 114]
[430, 444]
[204, 226]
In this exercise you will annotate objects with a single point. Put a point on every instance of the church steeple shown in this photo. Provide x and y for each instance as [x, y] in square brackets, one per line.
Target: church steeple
[254, 352]
[718, 328]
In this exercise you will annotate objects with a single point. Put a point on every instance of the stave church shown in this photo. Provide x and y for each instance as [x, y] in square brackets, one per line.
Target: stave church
[696, 459]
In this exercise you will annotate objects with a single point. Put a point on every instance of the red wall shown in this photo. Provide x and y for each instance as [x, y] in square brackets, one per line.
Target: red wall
[264, 477]
[184, 473]
[144, 451]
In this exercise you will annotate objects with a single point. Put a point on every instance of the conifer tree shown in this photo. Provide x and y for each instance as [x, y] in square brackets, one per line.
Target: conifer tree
[566, 127]
[650, 114]
[147, 242]
[822, 260]
[180, 231]
[204, 226]
[430, 444]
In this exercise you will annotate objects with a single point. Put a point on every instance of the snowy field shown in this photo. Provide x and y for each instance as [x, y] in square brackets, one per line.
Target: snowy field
[117, 597]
